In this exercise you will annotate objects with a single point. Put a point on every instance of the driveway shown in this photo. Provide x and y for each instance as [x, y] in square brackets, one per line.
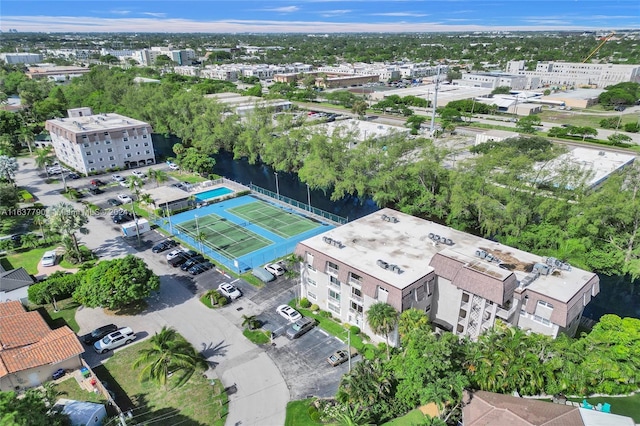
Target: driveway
[262, 393]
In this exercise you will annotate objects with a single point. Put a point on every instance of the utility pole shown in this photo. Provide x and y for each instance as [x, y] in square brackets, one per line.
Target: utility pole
[435, 102]
[135, 219]
[349, 347]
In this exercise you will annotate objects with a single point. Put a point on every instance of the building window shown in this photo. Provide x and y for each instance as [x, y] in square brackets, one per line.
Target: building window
[92, 169]
[546, 304]
[311, 282]
[312, 296]
[334, 295]
[99, 151]
[334, 308]
[541, 320]
[383, 293]
[113, 165]
[87, 153]
[84, 136]
[310, 267]
[86, 145]
[100, 159]
[144, 136]
[332, 268]
[355, 307]
[146, 144]
[147, 152]
[125, 139]
[138, 153]
[355, 279]
[109, 149]
[106, 133]
[137, 145]
[127, 147]
[112, 158]
[90, 161]
[333, 281]
[128, 155]
[107, 142]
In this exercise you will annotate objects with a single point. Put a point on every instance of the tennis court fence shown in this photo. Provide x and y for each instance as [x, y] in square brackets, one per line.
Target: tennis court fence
[303, 207]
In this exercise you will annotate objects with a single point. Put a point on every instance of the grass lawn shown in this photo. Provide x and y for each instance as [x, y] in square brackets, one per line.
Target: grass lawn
[624, 406]
[187, 177]
[298, 413]
[198, 402]
[413, 417]
[583, 120]
[70, 389]
[66, 314]
[259, 337]
[29, 258]
[10, 224]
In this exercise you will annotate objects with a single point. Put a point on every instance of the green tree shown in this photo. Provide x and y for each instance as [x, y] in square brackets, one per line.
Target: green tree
[30, 240]
[158, 176]
[250, 321]
[527, 124]
[501, 90]
[33, 408]
[412, 320]
[8, 168]
[44, 157]
[619, 139]
[359, 107]
[383, 319]
[63, 219]
[169, 353]
[116, 283]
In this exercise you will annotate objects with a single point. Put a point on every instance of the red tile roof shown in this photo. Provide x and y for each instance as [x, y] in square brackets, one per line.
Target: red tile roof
[26, 341]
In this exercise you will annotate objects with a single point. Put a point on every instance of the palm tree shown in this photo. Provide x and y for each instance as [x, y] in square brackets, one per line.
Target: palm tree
[158, 176]
[147, 199]
[30, 240]
[250, 321]
[169, 353]
[62, 218]
[44, 157]
[41, 221]
[382, 318]
[26, 136]
[412, 319]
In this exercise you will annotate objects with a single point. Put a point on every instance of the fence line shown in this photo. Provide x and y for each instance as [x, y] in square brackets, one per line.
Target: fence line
[302, 207]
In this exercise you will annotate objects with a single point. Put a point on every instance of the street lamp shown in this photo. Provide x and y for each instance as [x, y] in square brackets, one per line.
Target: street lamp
[277, 186]
[349, 347]
[308, 197]
[198, 233]
[135, 219]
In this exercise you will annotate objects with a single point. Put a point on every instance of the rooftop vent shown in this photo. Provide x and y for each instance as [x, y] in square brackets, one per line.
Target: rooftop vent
[332, 242]
[556, 263]
[529, 279]
[396, 269]
[391, 219]
[542, 268]
[438, 239]
[381, 263]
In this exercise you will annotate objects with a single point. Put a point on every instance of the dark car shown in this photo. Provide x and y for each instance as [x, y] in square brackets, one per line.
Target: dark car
[199, 268]
[113, 202]
[122, 218]
[96, 182]
[73, 176]
[99, 333]
[190, 262]
[163, 246]
[95, 190]
[58, 373]
[341, 356]
[300, 327]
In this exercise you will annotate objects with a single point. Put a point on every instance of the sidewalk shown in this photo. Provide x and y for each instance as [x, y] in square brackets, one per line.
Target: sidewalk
[261, 392]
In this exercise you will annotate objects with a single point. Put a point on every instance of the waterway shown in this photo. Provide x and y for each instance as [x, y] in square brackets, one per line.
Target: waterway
[618, 295]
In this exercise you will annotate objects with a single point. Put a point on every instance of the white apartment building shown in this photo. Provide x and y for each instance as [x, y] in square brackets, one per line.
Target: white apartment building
[21, 58]
[572, 74]
[98, 143]
[221, 72]
[463, 282]
[493, 80]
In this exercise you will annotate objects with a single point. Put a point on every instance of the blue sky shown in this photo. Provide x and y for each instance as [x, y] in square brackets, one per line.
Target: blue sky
[316, 16]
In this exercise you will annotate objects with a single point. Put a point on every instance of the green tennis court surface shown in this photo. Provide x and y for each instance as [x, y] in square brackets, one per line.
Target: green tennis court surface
[226, 237]
[273, 219]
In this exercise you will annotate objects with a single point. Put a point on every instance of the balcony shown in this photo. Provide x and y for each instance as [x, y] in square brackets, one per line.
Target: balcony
[334, 285]
[355, 311]
[504, 314]
[356, 298]
[332, 271]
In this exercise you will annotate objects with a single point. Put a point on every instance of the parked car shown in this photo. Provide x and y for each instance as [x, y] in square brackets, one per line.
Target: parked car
[275, 269]
[124, 198]
[300, 327]
[117, 178]
[114, 340]
[113, 202]
[124, 183]
[96, 182]
[138, 173]
[174, 253]
[192, 261]
[174, 166]
[263, 275]
[199, 268]
[60, 372]
[163, 246]
[122, 218]
[99, 333]
[181, 258]
[288, 313]
[49, 258]
[95, 190]
[228, 290]
[341, 356]
[73, 175]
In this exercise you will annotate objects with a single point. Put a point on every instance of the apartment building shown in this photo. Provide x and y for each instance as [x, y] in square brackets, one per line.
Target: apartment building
[573, 74]
[21, 58]
[493, 80]
[463, 282]
[97, 143]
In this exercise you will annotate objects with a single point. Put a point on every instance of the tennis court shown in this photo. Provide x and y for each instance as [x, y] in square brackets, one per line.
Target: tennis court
[244, 232]
[272, 219]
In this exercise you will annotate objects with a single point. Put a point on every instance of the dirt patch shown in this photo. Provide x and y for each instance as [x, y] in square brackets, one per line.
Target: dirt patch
[508, 258]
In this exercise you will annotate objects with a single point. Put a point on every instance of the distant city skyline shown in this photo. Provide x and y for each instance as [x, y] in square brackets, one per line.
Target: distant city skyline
[317, 16]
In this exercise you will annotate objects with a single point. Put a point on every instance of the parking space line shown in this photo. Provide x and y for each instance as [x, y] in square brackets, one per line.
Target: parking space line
[323, 332]
[237, 279]
[335, 337]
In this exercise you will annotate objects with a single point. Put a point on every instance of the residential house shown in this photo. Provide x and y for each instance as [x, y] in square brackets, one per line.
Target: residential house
[14, 284]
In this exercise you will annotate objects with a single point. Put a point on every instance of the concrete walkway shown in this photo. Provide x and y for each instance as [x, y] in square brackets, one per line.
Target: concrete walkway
[262, 393]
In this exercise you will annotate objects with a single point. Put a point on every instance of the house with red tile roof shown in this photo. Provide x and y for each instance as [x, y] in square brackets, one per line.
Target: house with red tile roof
[30, 352]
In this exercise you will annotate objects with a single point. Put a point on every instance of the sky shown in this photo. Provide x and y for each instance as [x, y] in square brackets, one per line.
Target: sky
[316, 16]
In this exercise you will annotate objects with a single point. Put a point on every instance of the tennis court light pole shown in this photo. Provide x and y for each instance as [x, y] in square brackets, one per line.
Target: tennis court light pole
[135, 219]
[308, 197]
[277, 186]
[198, 233]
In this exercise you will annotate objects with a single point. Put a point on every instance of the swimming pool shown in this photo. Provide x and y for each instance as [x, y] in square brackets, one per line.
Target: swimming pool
[212, 193]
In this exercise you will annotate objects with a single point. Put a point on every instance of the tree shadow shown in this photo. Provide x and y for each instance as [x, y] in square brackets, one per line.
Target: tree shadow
[211, 350]
[144, 413]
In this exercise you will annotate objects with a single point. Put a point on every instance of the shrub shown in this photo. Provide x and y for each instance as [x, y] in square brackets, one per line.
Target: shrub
[325, 314]
[25, 196]
[314, 308]
[304, 303]
[355, 329]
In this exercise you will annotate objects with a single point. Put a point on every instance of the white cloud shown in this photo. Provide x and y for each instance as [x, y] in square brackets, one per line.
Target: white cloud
[120, 12]
[338, 12]
[283, 9]
[155, 14]
[400, 14]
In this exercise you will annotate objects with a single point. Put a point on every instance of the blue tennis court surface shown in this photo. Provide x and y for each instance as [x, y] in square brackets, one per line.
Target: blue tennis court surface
[227, 238]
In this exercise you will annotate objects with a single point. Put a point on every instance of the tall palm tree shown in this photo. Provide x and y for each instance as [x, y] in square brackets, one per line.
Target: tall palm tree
[62, 218]
[382, 318]
[158, 176]
[26, 136]
[169, 353]
[44, 156]
[41, 221]
[30, 240]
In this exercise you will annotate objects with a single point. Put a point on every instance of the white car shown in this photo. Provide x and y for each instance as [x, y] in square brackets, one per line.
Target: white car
[49, 258]
[117, 178]
[114, 340]
[288, 313]
[229, 291]
[275, 269]
[124, 198]
[174, 166]
[138, 173]
[173, 253]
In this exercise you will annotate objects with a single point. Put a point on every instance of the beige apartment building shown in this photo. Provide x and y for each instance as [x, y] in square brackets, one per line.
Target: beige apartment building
[98, 143]
[463, 282]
